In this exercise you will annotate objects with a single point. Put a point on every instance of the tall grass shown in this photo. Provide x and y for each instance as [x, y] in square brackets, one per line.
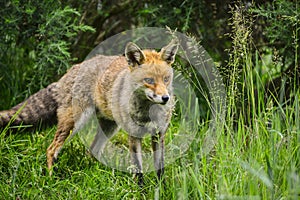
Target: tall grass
[256, 156]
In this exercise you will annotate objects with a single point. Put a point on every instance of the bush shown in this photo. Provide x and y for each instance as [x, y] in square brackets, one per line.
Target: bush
[280, 22]
[35, 37]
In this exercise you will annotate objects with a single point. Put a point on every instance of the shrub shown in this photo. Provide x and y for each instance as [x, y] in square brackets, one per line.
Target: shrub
[35, 37]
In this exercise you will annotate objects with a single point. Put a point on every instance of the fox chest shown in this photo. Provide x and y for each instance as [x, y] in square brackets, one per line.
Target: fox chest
[146, 118]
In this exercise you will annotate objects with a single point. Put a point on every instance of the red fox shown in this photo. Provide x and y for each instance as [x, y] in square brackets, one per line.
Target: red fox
[123, 89]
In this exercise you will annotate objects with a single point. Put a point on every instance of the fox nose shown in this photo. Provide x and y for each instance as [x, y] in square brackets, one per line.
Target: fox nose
[165, 98]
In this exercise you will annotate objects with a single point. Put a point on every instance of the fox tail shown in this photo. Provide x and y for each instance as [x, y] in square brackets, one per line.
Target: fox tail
[39, 108]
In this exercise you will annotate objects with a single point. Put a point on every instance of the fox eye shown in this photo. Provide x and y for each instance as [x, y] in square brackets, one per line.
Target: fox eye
[149, 81]
[166, 79]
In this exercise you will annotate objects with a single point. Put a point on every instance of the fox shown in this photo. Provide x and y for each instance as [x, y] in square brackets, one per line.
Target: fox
[132, 91]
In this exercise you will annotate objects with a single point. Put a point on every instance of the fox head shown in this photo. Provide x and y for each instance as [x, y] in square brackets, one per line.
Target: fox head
[151, 71]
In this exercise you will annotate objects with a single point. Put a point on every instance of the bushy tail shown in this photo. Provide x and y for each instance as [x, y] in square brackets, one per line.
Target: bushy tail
[40, 107]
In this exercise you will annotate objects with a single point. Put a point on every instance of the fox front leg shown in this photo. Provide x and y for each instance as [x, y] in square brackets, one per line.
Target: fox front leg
[135, 147]
[158, 153]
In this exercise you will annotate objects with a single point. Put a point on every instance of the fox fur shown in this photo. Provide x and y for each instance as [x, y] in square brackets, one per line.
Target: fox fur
[132, 92]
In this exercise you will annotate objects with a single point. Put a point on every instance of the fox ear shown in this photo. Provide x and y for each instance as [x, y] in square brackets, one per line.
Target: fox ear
[134, 54]
[168, 52]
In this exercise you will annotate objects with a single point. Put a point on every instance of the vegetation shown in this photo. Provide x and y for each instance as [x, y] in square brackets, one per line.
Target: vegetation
[256, 153]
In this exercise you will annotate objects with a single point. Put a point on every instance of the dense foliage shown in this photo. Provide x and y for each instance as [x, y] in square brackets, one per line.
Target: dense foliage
[35, 46]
